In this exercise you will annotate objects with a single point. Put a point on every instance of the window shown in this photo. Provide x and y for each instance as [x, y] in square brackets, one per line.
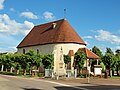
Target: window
[23, 51]
[37, 51]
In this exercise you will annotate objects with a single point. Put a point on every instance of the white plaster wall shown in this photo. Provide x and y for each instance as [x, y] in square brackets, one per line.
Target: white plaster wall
[56, 50]
[43, 49]
[49, 48]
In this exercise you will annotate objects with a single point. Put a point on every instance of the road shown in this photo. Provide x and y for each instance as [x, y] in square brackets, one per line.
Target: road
[16, 83]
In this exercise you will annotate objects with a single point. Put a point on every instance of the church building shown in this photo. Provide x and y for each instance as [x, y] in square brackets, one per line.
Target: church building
[58, 38]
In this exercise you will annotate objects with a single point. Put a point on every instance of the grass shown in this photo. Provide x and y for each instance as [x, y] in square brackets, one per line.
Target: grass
[115, 77]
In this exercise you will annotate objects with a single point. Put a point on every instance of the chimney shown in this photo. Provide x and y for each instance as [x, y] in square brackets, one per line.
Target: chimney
[54, 25]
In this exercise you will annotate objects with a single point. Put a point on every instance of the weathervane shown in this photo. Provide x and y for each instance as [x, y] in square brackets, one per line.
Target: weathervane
[65, 13]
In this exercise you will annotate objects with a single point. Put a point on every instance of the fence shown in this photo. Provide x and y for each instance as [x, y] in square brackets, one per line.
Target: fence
[69, 73]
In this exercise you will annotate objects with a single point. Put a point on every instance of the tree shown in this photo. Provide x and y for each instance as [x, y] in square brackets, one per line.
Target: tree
[118, 52]
[97, 51]
[109, 61]
[32, 58]
[17, 63]
[48, 61]
[24, 62]
[79, 60]
[118, 61]
[10, 61]
[2, 61]
[108, 50]
[67, 60]
[38, 61]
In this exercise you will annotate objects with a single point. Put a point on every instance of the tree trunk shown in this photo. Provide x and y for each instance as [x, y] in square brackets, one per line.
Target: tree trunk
[39, 69]
[79, 71]
[11, 69]
[117, 71]
[6, 69]
[25, 72]
[18, 71]
[2, 68]
[110, 73]
[109, 70]
[30, 71]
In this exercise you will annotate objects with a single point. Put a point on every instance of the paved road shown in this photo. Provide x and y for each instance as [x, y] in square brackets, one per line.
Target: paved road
[15, 83]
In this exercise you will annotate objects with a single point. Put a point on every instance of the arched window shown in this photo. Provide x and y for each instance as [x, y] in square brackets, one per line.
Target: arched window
[23, 51]
[37, 51]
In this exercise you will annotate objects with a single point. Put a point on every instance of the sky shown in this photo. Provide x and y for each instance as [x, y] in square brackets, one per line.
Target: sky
[96, 21]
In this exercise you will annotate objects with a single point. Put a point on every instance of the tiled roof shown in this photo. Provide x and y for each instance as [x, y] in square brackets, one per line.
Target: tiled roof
[89, 54]
[47, 34]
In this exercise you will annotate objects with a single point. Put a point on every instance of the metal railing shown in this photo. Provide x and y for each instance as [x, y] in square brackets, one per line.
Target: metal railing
[69, 73]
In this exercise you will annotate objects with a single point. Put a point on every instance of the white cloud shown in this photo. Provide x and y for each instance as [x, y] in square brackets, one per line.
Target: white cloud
[29, 15]
[1, 4]
[9, 49]
[107, 37]
[11, 27]
[117, 47]
[88, 37]
[12, 9]
[48, 15]
[87, 43]
[7, 43]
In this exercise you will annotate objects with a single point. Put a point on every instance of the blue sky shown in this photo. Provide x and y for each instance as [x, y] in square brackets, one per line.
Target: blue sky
[96, 21]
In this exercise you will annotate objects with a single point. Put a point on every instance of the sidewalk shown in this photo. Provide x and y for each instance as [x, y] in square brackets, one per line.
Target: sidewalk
[92, 81]
[95, 84]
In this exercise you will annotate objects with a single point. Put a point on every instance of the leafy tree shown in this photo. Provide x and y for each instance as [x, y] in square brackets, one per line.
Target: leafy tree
[7, 62]
[79, 60]
[108, 50]
[24, 62]
[11, 61]
[2, 61]
[38, 61]
[48, 61]
[110, 60]
[17, 63]
[97, 51]
[118, 60]
[34, 59]
[118, 52]
[66, 59]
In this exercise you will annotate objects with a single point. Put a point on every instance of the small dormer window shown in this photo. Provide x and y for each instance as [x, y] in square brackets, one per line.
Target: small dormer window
[54, 25]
